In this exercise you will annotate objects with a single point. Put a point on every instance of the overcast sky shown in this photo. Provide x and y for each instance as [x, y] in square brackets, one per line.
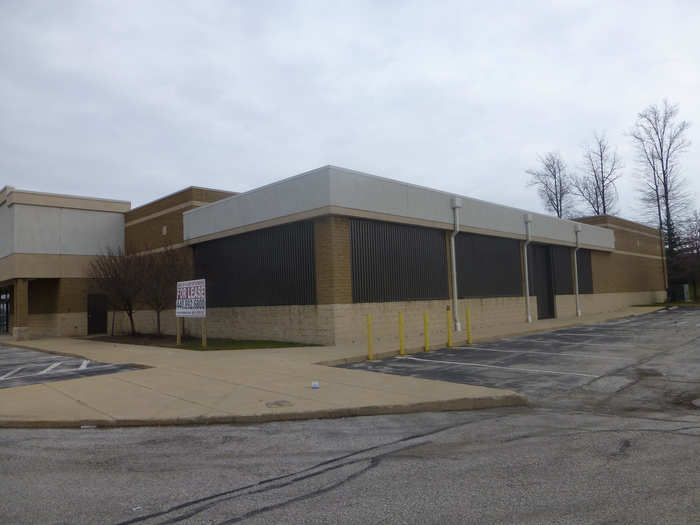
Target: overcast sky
[134, 100]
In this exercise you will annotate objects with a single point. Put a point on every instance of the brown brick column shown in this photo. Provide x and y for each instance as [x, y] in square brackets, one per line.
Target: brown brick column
[333, 271]
[20, 317]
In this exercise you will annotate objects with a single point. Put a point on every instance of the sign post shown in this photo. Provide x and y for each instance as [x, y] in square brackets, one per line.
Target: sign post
[191, 301]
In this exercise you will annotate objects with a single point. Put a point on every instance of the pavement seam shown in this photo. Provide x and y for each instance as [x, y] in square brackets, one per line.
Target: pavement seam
[82, 403]
[165, 393]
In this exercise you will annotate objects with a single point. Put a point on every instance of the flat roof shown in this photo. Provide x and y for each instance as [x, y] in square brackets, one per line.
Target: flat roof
[341, 191]
[178, 192]
[11, 196]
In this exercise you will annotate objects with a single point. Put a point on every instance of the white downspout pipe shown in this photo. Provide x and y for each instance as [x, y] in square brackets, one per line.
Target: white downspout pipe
[577, 231]
[456, 205]
[528, 231]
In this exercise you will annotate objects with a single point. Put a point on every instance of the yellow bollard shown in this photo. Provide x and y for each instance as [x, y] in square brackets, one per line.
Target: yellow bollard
[370, 351]
[425, 331]
[401, 345]
[469, 325]
[449, 330]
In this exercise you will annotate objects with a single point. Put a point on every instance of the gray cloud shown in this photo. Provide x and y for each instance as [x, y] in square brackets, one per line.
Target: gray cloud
[134, 100]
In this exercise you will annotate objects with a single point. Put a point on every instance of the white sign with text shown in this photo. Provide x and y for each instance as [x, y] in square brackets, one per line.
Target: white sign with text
[191, 300]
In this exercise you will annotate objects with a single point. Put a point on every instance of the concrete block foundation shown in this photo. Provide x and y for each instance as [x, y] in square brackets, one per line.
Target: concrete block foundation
[345, 324]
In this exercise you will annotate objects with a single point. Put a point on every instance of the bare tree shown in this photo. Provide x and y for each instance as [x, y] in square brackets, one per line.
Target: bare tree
[160, 270]
[688, 257]
[660, 139]
[118, 275]
[691, 235]
[553, 184]
[595, 186]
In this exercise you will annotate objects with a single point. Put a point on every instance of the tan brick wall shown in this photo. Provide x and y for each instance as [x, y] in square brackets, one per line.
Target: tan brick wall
[332, 259]
[610, 302]
[637, 243]
[72, 294]
[565, 306]
[186, 195]
[143, 232]
[489, 317]
[69, 295]
[609, 221]
[20, 295]
[148, 234]
[615, 272]
[58, 325]
[305, 324]
[346, 323]
[43, 296]
[624, 272]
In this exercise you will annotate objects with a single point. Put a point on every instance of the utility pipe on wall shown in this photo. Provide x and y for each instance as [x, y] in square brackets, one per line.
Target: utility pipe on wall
[528, 231]
[577, 231]
[456, 205]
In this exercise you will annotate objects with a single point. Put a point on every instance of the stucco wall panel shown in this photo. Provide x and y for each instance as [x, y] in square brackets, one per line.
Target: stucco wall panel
[7, 230]
[35, 266]
[303, 192]
[57, 231]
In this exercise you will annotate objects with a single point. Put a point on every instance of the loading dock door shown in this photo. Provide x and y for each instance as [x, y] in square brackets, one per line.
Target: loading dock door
[542, 280]
[97, 314]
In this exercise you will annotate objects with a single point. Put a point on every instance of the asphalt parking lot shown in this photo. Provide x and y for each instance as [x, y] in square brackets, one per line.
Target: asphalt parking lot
[20, 366]
[603, 358]
[620, 444]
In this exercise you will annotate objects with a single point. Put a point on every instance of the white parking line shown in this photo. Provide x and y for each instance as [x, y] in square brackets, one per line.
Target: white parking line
[587, 335]
[49, 368]
[501, 367]
[11, 373]
[555, 341]
[538, 352]
[68, 371]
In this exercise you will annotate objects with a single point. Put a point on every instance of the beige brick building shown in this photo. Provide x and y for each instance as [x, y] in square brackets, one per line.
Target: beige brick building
[307, 258]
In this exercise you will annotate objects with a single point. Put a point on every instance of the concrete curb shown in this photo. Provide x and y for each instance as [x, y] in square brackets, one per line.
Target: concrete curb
[453, 405]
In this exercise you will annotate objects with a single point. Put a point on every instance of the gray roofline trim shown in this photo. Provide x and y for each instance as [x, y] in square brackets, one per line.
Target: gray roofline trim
[343, 188]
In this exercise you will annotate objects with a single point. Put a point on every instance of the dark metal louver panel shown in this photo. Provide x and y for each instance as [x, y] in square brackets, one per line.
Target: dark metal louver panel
[488, 266]
[585, 272]
[397, 262]
[273, 266]
[563, 277]
[542, 279]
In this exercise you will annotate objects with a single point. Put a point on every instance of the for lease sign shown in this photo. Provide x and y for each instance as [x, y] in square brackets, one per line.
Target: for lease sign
[191, 299]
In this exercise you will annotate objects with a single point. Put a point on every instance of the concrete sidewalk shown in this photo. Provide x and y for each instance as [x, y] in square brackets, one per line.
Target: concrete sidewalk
[236, 386]
[232, 386]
